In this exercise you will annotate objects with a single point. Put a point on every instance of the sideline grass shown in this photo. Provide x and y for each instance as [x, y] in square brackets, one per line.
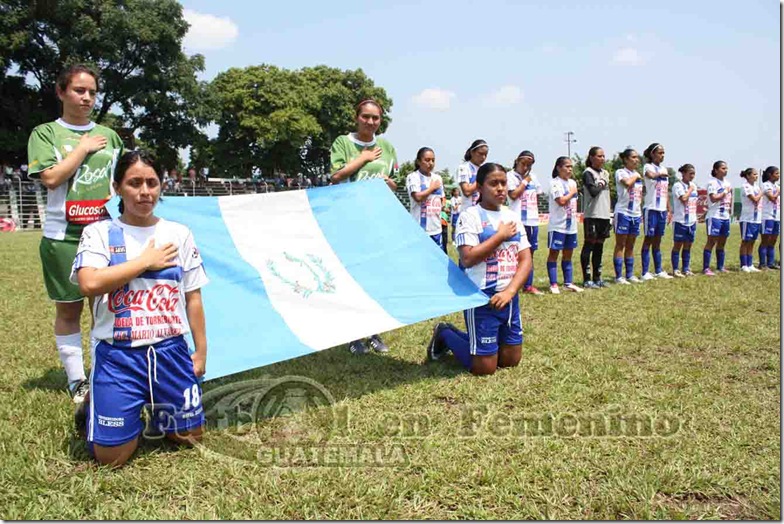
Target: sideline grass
[702, 354]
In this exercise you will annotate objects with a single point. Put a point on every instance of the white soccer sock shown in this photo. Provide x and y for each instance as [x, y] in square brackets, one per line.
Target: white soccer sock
[70, 349]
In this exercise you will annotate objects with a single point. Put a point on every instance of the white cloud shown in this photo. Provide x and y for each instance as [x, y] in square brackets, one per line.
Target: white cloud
[208, 31]
[435, 99]
[627, 56]
[506, 96]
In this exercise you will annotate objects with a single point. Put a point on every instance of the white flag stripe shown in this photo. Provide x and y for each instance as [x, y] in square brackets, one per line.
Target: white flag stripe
[329, 307]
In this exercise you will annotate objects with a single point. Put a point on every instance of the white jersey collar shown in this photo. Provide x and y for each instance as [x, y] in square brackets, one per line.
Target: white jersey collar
[72, 127]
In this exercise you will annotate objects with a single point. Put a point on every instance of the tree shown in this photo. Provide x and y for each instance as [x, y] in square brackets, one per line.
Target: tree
[284, 121]
[136, 47]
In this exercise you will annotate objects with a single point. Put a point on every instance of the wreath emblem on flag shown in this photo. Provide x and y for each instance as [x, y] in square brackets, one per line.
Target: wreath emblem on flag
[305, 276]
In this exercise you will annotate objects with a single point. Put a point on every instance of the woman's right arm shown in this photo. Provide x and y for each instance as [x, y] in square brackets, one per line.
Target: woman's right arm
[97, 281]
[367, 155]
[63, 170]
[629, 181]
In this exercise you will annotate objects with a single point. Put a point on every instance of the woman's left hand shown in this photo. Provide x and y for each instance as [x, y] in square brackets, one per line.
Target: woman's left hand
[500, 300]
[199, 364]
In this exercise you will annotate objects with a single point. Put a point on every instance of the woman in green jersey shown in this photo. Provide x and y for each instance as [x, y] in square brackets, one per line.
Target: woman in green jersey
[362, 155]
[74, 158]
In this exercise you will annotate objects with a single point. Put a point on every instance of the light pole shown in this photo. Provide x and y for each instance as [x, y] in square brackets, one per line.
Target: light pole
[569, 141]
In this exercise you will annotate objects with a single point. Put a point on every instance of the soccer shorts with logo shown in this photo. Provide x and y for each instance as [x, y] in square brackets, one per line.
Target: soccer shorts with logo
[488, 328]
[683, 233]
[626, 225]
[532, 232]
[560, 241]
[124, 380]
[655, 222]
[718, 227]
[57, 257]
[749, 231]
[596, 228]
[771, 227]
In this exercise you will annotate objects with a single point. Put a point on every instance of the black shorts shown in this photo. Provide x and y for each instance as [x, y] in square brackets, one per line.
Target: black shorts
[596, 228]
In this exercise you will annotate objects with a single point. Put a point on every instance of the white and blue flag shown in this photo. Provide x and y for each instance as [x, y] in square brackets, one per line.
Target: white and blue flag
[300, 271]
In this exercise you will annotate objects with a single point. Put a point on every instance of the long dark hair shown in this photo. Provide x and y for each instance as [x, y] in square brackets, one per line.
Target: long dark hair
[474, 145]
[560, 161]
[483, 172]
[648, 153]
[717, 164]
[420, 154]
[130, 158]
[768, 173]
[746, 172]
[591, 154]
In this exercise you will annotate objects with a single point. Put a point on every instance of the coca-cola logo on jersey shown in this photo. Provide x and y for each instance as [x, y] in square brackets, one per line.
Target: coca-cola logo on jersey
[161, 297]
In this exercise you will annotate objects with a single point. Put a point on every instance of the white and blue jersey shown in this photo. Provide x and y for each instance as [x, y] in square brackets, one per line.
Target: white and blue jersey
[771, 210]
[476, 225]
[563, 219]
[721, 209]
[466, 173]
[527, 205]
[751, 211]
[629, 198]
[656, 188]
[685, 214]
[428, 212]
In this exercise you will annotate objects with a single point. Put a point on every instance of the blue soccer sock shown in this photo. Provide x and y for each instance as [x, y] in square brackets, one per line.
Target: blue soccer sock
[674, 258]
[552, 272]
[458, 344]
[657, 260]
[706, 256]
[771, 255]
[763, 255]
[686, 258]
[645, 254]
[719, 259]
[618, 265]
[530, 281]
[566, 267]
[629, 267]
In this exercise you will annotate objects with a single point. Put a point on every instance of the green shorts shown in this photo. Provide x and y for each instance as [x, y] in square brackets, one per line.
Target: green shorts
[57, 257]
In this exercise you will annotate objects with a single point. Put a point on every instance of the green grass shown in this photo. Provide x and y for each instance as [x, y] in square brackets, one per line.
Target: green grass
[700, 353]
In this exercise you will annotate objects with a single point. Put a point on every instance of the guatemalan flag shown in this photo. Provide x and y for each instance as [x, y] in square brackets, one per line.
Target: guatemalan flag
[300, 271]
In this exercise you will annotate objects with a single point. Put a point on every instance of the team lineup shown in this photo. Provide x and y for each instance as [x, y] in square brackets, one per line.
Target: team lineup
[142, 275]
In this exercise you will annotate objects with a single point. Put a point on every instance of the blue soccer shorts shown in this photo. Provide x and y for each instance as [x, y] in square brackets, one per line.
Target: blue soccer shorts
[124, 380]
[488, 328]
[626, 225]
[532, 232]
[749, 231]
[683, 233]
[655, 222]
[718, 227]
[771, 227]
[560, 241]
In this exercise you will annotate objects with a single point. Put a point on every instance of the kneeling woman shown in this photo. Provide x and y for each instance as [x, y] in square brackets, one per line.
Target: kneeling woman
[496, 255]
[145, 274]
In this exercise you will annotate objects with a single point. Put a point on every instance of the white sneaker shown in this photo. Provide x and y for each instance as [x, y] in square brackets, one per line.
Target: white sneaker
[677, 273]
[635, 280]
[753, 269]
[648, 276]
[622, 280]
[554, 289]
[574, 287]
[663, 275]
[745, 269]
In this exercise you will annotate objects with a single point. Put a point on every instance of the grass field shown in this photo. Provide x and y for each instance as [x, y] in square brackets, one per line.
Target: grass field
[698, 359]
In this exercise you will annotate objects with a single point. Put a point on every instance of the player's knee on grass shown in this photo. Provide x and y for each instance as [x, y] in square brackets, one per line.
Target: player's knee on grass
[115, 456]
[509, 356]
[187, 438]
[484, 364]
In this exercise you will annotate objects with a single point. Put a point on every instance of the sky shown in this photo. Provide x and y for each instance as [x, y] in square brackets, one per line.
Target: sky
[702, 78]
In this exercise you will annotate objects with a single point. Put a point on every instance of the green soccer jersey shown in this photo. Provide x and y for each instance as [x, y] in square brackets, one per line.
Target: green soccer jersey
[348, 147]
[80, 199]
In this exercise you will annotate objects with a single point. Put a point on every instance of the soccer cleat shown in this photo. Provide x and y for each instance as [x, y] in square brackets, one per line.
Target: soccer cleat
[436, 347]
[745, 269]
[80, 419]
[533, 291]
[574, 288]
[601, 284]
[708, 273]
[774, 266]
[358, 347]
[723, 270]
[79, 391]
[554, 289]
[378, 345]
[688, 273]
[621, 280]
[663, 274]
[589, 284]
[677, 274]
[752, 269]
[648, 276]
[635, 280]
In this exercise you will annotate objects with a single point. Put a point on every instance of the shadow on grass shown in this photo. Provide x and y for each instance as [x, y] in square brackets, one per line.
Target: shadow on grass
[53, 379]
[76, 448]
